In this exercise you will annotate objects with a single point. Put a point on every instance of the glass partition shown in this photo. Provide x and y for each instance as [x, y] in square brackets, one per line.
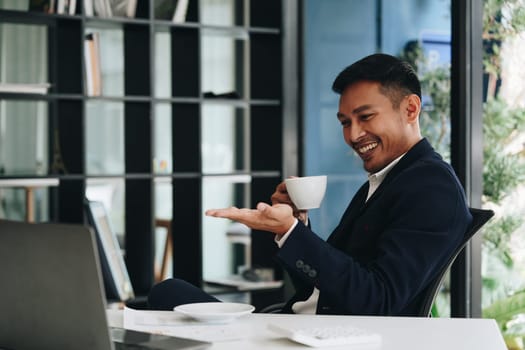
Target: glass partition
[104, 135]
[224, 130]
[23, 126]
[223, 139]
[162, 62]
[217, 12]
[224, 50]
[223, 152]
[20, 5]
[162, 156]
[220, 259]
[23, 53]
[163, 221]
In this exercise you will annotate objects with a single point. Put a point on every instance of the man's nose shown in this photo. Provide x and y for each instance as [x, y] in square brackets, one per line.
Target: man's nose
[356, 132]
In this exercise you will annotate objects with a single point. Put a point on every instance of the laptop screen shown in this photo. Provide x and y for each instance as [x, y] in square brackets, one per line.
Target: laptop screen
[114, 272]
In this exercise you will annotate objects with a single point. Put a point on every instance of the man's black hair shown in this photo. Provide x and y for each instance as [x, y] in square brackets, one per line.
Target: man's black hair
[397, 78]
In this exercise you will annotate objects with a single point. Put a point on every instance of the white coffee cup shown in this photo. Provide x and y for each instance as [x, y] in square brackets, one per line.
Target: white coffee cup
[306, 192]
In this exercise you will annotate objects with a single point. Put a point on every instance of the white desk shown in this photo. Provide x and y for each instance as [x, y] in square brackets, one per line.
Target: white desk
[398, 333]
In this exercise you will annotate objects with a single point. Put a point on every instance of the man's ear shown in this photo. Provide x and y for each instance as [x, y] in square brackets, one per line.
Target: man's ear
[412, 108]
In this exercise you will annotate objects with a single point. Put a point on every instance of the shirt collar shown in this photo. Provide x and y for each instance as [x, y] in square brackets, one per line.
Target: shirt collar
[383, 172]
[375, 179]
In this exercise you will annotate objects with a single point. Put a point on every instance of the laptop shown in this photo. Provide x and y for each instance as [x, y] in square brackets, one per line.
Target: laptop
[116, 281]
[52, 295]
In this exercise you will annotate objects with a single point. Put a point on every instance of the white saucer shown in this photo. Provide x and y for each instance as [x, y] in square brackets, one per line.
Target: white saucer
[215, 312]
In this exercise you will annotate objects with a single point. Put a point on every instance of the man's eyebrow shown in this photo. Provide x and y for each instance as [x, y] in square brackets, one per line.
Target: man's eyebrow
[361, 109]
[355, 111]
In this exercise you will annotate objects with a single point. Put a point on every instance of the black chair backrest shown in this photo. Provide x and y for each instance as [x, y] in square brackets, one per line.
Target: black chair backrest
[479, 218]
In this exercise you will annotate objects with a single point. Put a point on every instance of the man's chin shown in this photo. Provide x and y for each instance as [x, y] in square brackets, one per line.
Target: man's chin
[369, 170]
[372, 168]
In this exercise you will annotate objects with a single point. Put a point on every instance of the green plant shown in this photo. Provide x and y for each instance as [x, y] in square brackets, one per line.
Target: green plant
[503, 171]
[435, 88]
[502, 19]
[497, 235]
[505, 312]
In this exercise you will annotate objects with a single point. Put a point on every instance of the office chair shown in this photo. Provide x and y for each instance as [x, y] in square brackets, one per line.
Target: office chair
[479, 218]
[429, 294]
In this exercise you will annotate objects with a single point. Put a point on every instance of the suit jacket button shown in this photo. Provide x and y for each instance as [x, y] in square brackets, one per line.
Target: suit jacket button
[299, 264]
[306, 268]
[312, 273]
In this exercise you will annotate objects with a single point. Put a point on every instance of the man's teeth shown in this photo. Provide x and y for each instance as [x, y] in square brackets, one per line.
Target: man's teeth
[367, 148]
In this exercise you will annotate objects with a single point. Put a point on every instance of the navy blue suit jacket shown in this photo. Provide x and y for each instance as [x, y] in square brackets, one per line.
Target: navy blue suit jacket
[384, 252]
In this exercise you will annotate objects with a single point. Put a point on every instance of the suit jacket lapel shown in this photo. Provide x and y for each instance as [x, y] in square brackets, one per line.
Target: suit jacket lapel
[352, 212]
[421, 148]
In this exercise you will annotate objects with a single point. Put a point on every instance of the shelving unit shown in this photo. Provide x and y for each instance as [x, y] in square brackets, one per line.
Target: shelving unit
[75, 133]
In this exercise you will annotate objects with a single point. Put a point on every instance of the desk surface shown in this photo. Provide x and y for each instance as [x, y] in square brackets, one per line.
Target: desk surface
[398, 333]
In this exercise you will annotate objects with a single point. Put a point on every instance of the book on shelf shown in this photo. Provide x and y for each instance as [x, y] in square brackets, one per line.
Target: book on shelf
[61, 7]
[37, 88]
[163, 9]
[66, 7]
[123, 8]
[93, 76]
[102, 8]
[88, 7]
[46, 6]
[179, 15]
[72, 7]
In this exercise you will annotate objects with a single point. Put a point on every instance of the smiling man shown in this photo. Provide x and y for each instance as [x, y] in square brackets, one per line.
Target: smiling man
[402, 224]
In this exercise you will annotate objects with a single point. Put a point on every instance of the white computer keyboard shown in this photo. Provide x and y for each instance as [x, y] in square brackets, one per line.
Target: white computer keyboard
[328, 335]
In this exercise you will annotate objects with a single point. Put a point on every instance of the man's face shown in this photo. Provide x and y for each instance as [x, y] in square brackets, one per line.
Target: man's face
[374, 129]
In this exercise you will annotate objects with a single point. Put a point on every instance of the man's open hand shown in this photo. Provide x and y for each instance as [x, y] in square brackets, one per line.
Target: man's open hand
[277, 218]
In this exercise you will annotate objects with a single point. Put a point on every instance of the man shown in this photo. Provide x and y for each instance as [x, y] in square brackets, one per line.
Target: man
[401, 226]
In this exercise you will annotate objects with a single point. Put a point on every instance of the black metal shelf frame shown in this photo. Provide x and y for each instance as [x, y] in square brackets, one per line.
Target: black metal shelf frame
[258, 25]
